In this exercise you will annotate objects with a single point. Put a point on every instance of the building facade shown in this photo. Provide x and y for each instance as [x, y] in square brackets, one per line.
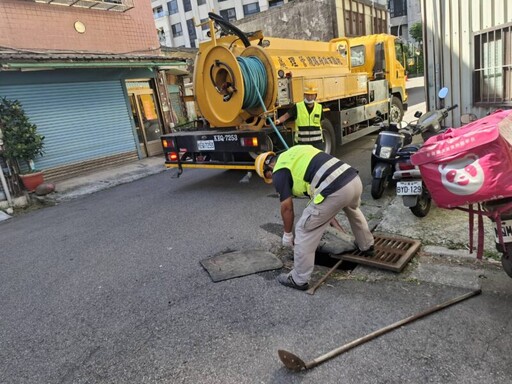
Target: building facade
[468, 49]
[178, 21]
[182, 23]
[402, 15]
[320, 20]
[90, 75]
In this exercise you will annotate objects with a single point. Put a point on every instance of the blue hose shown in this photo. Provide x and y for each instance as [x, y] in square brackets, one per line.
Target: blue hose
[253, 69]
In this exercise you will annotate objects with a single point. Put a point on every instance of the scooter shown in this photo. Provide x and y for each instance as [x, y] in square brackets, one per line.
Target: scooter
[409, 184]
[500, 213]
[384, 155]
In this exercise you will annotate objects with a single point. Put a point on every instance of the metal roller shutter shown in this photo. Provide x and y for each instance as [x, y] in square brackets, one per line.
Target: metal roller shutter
[80, 121]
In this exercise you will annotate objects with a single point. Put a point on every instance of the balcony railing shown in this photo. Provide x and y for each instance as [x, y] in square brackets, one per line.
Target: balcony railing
[161, 14]
[105, 5]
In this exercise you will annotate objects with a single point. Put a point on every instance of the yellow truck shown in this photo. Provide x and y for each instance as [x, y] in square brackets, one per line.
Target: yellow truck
[244, 81]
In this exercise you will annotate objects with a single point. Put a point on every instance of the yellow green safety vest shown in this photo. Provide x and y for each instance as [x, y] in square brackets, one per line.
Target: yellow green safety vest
[296, 160]
[308, 127]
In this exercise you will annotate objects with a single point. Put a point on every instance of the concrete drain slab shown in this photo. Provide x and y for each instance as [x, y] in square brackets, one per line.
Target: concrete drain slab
[240, 263]
[391, 253]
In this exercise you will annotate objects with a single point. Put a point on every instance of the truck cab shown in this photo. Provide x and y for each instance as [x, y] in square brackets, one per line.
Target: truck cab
[379, 57]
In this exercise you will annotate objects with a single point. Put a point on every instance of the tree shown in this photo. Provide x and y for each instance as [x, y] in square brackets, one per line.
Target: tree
[416, 32]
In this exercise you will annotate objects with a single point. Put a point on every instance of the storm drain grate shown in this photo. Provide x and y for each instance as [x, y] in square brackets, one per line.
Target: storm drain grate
[391, 253]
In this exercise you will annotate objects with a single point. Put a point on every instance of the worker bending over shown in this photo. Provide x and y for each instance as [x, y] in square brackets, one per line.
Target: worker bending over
[332, 186]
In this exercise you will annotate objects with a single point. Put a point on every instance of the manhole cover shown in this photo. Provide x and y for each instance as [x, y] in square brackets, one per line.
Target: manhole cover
[391, 253]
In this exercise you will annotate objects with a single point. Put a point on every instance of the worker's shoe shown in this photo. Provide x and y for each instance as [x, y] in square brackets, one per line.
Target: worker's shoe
[370, 252]
[287, 280]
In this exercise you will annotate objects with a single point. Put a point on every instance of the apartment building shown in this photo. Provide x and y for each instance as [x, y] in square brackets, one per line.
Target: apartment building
[403, 14]
[177, 21]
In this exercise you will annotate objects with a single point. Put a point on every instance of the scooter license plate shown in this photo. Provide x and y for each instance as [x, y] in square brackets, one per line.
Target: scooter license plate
[409, 188]
[506, 231]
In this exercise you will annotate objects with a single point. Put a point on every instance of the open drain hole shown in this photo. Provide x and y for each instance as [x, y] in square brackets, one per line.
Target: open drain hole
[323, 259]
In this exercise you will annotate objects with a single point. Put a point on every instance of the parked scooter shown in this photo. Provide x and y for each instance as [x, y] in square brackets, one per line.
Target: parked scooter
[409, 184]
[500, 212]
[391, 138]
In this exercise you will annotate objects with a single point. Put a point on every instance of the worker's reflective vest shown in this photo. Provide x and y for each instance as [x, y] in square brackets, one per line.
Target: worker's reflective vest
[297, 159]
[308, 128]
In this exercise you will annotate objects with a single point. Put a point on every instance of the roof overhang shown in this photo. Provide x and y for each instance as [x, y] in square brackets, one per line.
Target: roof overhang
[16, 61]
[105, 5]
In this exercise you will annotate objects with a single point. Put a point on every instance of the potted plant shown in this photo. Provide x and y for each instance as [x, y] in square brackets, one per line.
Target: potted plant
[21, 142]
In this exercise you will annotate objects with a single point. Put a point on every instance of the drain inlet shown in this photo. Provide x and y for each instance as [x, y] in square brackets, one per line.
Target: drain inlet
[324, 259]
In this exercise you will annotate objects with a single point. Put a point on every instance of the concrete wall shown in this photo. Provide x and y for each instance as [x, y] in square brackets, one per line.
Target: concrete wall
[30, 25]
[299, 19]
[320, 20]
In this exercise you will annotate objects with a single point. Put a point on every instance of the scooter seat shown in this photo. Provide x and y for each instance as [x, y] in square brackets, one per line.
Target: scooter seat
[408, 150]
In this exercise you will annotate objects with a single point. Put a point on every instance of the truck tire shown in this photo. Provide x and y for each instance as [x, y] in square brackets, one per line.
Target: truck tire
[396, 111]
[329, 137]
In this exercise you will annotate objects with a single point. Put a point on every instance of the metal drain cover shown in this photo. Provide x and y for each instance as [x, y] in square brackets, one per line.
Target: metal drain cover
[391, 253]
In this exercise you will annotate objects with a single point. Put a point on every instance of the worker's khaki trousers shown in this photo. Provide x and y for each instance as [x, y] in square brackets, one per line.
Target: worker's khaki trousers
[315, 219]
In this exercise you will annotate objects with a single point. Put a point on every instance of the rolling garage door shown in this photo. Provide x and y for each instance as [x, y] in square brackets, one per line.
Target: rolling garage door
[81, 122]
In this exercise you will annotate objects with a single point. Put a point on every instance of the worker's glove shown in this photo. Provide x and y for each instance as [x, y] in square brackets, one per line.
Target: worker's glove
[288, 240]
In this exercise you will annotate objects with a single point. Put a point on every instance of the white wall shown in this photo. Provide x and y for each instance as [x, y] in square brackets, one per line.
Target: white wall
[448, 45]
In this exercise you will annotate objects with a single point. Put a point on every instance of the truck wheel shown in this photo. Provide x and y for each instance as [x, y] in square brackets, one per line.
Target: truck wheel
[506, 260]
[378, 186]
[396, 112]
[422, 207]
[329, 137]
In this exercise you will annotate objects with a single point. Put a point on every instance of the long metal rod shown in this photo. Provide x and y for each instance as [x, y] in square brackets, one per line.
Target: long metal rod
[295, 363]
[312, 290]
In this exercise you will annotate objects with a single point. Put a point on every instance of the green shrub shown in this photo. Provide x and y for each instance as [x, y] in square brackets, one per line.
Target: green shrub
[21, 140]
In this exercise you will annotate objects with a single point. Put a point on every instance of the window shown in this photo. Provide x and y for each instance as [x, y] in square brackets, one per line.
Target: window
[251, 9]
[161, 36]
[177, 30]
[397, 8]
[204, 26]
[228, 14]
[357, 55]
[187, 6]
[201, 2]
[172, 6]
[354, 24]
[275, 3]
[493, 66]
[191, 29]
[158, 12]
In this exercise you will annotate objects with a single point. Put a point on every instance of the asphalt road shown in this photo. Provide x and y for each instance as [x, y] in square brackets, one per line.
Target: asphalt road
[109, 288]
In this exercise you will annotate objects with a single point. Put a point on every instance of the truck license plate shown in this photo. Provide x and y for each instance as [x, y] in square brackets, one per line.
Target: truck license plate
[205, 145]
[506, 231]
[409, 188]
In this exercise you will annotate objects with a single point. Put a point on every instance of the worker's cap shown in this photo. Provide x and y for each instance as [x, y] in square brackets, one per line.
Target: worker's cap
[310, 89]
[262, 165]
